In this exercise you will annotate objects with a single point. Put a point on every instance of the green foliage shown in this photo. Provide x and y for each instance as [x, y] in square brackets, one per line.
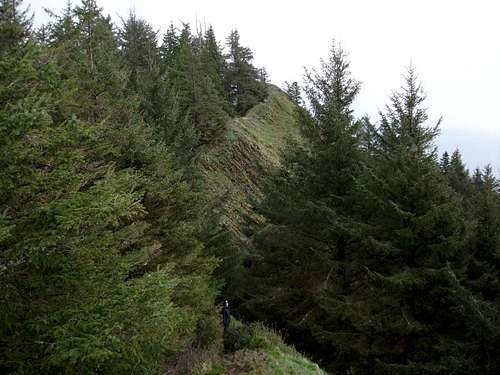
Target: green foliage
[302, 254]
[294, 93]
[158, 101]
[483, 261]
[126, 190]
[458, 175]
[15, 24]
[138, 45]
[413, 254]
[106, 250]
[242, 79]
[214, 65]
[363, 255]
[86, 53]
[102, 265]
[169, 47]
[260, 350]
[138, 48]
[196, 86]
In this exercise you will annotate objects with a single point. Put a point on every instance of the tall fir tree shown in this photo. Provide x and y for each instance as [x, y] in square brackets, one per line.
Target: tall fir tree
[197, 95]
[15, 24]
[483, 270]
[214, 65]
[241, 77]
[413, 315]
[293, 91]
[444, 163]
[138, 47]
[85, 48]
[458, 176]
[169, 47]
[302, 256]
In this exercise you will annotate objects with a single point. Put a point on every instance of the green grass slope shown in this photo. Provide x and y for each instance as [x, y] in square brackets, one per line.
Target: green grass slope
[249, 350]
[250, 149]
[257, 350]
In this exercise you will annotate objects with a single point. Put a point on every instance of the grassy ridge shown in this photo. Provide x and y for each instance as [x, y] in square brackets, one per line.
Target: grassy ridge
[251, 148]
[235, 171]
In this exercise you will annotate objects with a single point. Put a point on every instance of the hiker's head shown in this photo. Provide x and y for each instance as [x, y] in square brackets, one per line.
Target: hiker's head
[226, 303]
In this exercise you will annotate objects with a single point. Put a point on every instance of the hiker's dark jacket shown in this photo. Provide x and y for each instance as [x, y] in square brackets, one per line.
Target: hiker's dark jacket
[226, 317]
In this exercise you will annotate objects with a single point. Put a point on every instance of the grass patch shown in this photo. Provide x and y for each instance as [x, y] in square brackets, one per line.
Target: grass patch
[258, 350]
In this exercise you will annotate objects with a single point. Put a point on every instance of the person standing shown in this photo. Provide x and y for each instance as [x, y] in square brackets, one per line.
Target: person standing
[226, 315]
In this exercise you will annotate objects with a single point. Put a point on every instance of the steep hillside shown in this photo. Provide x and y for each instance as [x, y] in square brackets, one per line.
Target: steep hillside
[235, 171]
[250, 150]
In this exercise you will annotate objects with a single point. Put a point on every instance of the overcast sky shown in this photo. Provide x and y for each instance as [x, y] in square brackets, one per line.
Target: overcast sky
[453, 44]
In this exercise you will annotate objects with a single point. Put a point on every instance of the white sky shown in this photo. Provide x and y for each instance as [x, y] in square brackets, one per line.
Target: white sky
[453, 44]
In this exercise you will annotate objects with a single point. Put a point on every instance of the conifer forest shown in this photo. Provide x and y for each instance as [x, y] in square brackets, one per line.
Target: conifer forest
[146, 178]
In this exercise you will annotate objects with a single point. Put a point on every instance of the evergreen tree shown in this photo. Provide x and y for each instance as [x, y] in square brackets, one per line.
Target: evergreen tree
[197, 95]
[458, 176]
[444, 163]
[294, 92]
[138, 44]
[62, 28]
[263, 76]
[412, 313]
[477, 179]
[242, 79]
[214, 65]
[146, 81]
[15, 24]
[86, 51]
[483, 271]
[302, 263]
[169, 47]
[101, 261]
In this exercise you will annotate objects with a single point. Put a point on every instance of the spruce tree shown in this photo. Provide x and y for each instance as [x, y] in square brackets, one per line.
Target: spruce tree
[15, 23]
[458, 176]
[138, 45]
[444, 163]
[86, 51]
[196, 92]
[146, 82]
[483, 269]
[413, 314]
[294, 92]
[302, 262]
[169, 47]
[242, 79]
[214, 65]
